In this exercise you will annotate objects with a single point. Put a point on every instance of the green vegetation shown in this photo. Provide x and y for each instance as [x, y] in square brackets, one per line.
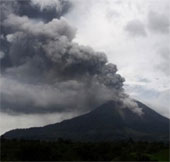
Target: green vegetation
[66, 150]
[163, 155]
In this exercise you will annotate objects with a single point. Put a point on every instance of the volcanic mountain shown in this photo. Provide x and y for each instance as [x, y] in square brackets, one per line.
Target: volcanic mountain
[108, 122]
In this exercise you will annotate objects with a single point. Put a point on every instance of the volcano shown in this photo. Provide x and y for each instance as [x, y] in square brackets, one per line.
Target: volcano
[108, 122]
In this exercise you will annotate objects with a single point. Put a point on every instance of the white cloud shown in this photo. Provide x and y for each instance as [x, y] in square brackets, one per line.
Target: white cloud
[159, 100]
[135, 28]
[159, 22]
[164, 65]
[101, 24]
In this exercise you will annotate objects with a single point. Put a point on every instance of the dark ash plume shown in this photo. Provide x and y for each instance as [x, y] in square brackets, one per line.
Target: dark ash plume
[36, 9]
[43, 70]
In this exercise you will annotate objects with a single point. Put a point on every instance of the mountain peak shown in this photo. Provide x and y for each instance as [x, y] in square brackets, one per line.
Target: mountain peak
[106, 123]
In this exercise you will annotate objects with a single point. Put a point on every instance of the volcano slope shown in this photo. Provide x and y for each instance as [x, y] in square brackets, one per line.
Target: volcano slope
[108, 122]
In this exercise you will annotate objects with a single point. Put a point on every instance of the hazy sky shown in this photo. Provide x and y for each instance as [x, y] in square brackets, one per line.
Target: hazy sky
[134, 34]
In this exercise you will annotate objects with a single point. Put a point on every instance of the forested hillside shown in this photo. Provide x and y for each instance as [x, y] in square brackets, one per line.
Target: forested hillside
[66, 150]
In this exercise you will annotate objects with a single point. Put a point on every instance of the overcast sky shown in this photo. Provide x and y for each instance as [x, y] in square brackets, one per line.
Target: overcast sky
[134, 34]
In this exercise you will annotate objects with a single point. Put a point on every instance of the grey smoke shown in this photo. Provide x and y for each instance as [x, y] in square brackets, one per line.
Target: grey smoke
[35, 8]
[2, 54]
[44, 71]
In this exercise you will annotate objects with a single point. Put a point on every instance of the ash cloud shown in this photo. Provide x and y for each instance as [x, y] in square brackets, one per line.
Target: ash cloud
[44, 71]
[36, 9]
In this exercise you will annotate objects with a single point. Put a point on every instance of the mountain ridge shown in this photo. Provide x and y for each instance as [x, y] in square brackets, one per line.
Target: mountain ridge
[107, 122]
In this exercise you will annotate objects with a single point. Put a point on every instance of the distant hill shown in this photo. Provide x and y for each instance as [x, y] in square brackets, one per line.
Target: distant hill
[108, 122]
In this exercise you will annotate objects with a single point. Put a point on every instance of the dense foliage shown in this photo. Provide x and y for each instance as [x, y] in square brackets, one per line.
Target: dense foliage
[66, 150]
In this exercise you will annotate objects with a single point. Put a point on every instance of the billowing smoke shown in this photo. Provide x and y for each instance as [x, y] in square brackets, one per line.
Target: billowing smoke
[45, 10]
[44, 71]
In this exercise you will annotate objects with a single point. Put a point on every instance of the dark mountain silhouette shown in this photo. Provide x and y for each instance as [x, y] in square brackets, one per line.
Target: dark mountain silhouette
[106, 123]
